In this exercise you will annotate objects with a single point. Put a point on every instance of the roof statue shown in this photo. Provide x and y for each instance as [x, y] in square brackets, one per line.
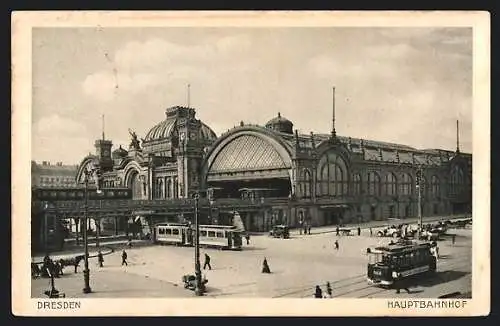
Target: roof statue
[134, 143]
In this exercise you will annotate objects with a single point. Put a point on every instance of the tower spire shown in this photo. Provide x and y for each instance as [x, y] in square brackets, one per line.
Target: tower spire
[458, 139]
[189, 95]
[334, 134]
[103, 137]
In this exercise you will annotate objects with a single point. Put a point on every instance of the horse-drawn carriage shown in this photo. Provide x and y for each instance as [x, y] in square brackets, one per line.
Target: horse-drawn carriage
[54, 268]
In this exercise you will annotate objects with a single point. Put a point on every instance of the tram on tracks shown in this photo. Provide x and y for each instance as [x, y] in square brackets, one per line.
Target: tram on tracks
[399, 261]
[216, 236]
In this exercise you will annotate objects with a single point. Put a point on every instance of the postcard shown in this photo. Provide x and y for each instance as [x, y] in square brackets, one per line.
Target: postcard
[250, 163]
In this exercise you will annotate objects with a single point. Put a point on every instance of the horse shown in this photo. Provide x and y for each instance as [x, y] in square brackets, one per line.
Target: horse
[35, 270]
[74, 261]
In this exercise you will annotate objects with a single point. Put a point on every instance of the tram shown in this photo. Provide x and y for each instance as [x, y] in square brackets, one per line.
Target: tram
[217, 236]
[399, 261]
[173, 233]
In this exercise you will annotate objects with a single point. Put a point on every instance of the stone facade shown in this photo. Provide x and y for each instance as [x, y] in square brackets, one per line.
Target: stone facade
[316, 179]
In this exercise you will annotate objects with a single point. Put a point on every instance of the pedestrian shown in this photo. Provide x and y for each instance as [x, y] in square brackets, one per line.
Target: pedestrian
[399, 284]
[309, 228]
[329, 290]
[129, 242]
[100, 258]
[247, 237]
[265, 267]
[336, 245]
[337, 231]
[124, 258]
[453, 239]
[207, 262]
[359, 231]
[318, 294]
[371, 232]
[305, 228]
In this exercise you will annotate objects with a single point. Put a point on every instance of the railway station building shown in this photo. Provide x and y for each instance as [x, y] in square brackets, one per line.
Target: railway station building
[317, 179]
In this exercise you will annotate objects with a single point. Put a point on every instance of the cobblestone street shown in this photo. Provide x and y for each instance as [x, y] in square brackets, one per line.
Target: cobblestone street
[297, 265]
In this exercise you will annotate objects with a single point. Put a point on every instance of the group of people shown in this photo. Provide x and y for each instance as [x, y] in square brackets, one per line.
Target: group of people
[100, 258]
[304, 227]
[337, 231]
[318, 293]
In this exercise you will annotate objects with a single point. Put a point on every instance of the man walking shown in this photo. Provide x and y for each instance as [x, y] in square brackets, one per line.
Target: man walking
[329, 292]
[100, 258]
[124, 258]
[359, 231]
[337, 231]
[399, 285]
[247, 237]
[336, 245]
[453, 239]
[371, 232]
[207, 262]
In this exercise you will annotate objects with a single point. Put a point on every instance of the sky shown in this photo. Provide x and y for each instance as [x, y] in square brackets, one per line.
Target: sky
[401, 85]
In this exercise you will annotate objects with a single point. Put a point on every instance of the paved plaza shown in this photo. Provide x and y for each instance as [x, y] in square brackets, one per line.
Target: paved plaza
[297, 265]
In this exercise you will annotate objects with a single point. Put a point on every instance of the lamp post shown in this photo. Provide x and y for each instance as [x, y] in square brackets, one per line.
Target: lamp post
[90, 171]
[199, 286]
[86, 271]
[419, 200]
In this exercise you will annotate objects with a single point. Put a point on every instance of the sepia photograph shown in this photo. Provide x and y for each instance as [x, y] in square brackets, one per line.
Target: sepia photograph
[253, 161]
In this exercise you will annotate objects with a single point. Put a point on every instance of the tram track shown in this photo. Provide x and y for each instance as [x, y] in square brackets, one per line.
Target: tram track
[362, 279]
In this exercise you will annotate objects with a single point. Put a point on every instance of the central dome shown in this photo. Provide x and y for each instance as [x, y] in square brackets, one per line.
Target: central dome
[168, 127]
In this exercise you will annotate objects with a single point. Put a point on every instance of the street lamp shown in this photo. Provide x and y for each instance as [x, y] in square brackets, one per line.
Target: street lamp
[419, 199]
[199, 289]
[95, 173]
[86, 271]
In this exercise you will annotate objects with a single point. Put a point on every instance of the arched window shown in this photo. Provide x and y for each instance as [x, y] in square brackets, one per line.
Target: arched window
[306, 183]
[390, 184]
[332, 176]
[434, 186]
[176, 188]
[406, 185]
[373, 182]
[168, 188]
[159, 188]
[356, 184]
[457, 180]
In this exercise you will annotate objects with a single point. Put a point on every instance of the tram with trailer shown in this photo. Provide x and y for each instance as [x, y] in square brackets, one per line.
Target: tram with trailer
[216, 236]
[399, 261]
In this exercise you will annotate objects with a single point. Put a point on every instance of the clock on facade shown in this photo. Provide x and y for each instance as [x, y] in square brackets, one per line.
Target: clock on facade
[105, 152]
[192, 136]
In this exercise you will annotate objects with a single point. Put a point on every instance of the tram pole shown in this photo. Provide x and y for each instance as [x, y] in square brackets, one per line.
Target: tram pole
[86, 271]
[199, 286]
[419, 201]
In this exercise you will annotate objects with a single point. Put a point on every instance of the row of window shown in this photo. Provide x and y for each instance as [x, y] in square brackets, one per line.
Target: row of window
[59, 180]
[166, 188]
[332, 180]
[409, 259]
[373, 186]
[210, 234]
